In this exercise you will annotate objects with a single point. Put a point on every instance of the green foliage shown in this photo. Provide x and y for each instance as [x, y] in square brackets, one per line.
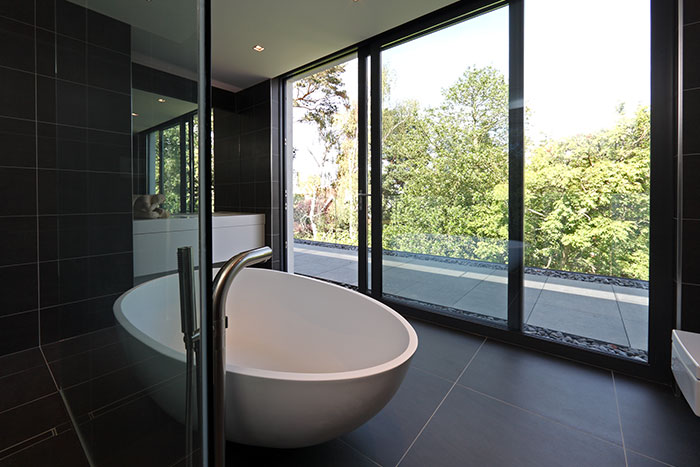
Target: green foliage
[587, 201]
[445, 181]
[446, 171]
[327, 211]
[171, 169]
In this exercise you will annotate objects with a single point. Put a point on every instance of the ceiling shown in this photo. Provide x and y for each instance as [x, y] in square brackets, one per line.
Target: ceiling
[150, 112]
[293, 32]
[296, 32]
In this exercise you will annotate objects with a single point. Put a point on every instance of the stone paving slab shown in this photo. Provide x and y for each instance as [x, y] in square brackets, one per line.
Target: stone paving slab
[451, 290]
[488, 298]
[593, 317]
[606, 312]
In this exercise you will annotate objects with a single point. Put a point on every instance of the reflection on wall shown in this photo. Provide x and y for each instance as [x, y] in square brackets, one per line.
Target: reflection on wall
[69, 251]
[690, 218]
[247, 158]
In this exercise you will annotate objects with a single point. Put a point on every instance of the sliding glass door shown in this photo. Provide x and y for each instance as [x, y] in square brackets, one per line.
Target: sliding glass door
[587, 177]
[324, 168]
[444, 148]
[491, 166]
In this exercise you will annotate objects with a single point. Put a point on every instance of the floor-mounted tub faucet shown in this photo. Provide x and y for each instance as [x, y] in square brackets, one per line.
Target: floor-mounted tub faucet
[222, 283]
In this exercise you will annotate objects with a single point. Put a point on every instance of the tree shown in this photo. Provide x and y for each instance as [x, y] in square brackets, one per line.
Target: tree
[445, 180]
[587, 200]
[446, 171]
[322, 96]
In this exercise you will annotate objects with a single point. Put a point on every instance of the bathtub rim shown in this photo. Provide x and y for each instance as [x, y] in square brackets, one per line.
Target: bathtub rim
[168, 351]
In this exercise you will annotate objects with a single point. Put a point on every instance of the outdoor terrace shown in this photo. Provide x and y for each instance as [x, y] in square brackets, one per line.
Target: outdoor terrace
[611, 313]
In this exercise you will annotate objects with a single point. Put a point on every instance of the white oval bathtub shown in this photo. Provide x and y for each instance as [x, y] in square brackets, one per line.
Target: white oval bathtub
[306, 361]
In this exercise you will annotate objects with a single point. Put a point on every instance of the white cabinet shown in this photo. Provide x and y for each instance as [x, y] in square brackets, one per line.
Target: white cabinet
[156, 240]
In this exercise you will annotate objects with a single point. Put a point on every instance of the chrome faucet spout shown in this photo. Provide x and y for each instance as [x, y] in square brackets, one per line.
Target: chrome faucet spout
[222, 283]
[228, 272]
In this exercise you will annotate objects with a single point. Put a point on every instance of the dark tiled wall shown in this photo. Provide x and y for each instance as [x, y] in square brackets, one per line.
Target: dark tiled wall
[65, 170]
[247, 157]
[691, 168]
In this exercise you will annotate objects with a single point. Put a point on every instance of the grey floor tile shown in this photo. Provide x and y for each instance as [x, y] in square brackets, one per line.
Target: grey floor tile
[443, 352]
[658, 424]
[471, 429]
[638, 460]
[333, 453]
[577, 395]
[386, 437]
[592, 317]
[487, 298]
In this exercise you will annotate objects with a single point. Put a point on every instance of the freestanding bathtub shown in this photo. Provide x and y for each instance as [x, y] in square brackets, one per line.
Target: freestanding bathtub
[306, 361]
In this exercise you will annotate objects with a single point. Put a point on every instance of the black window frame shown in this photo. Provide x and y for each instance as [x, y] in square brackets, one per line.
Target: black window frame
[185, 123]
[662, 299]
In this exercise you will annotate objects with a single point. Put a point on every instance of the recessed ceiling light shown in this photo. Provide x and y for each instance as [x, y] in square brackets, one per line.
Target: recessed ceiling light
[258, 48]
[161, 100]
[134, 114]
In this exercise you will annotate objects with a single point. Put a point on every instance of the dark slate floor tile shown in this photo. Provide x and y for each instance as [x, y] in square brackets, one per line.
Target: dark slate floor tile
[83, 343]
[63, 450]
[25, 386]
[95, 363]
[386, 437]
[472, 429]
[20, 361]
[335, 453]
[443, 352]
[29, 420]
[638, 460]
[119, 386]
[137, 433]
[64, 321]
[577, 395]
[658, 424]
